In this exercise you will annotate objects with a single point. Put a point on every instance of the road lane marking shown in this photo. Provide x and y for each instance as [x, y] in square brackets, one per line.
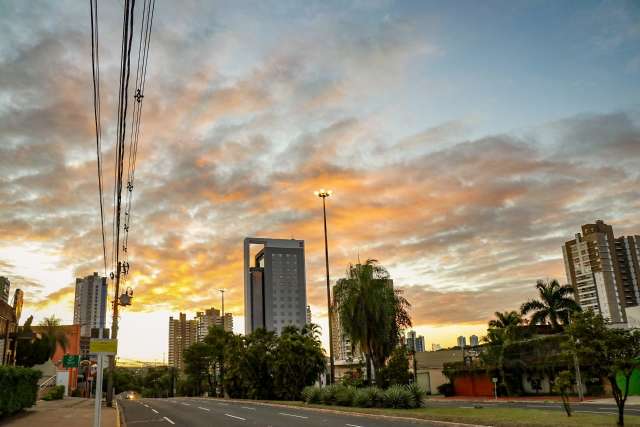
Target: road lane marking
[353, 425]
[186, 404]
[237, 418]
[246, 407]
[168, 420]
[293, 415]
[204, 409]
[146, 406]
[154, 410]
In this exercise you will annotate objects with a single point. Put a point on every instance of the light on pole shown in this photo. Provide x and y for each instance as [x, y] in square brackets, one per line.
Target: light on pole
[323, 194]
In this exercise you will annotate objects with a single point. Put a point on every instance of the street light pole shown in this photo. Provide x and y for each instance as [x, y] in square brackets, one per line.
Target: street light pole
[222, 292]
[323, 194]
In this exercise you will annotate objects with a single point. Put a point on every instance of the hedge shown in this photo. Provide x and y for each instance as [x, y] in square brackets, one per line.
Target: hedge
[397, 396]
[55, 393]
[18, 389]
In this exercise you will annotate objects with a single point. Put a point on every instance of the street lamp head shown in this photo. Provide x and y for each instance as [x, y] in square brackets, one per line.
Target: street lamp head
[323, 193]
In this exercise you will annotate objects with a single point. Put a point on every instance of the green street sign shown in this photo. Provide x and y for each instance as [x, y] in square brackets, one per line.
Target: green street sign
[70, 361]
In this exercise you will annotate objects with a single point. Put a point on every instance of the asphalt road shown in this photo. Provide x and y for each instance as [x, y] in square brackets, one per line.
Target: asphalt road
[196, 412]
[189, 411]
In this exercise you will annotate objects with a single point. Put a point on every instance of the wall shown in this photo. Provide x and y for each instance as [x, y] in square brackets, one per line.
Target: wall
[477, 384]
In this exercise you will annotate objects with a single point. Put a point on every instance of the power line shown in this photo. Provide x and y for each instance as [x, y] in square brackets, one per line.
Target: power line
[95, 69]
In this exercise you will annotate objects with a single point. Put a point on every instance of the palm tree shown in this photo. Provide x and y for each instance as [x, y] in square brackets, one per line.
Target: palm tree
[554, 306]
[371, 312]
[54, 334]
[503, 330]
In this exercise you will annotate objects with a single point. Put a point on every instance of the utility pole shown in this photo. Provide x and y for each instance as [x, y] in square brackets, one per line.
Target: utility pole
[114, 336]
[222, 292]
[323, 195]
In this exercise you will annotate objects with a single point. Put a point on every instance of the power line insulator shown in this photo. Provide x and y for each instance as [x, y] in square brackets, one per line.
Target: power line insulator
[129, 186]
[138, 96]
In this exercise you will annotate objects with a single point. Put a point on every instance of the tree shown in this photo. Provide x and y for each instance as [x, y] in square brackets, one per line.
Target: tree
[503, 330]
[218, 340]
[371, 312]
[53, 334]
[199, 365]
[554, 306]
[397, 370]
[609, 352]
[562, 385]
[298, 362]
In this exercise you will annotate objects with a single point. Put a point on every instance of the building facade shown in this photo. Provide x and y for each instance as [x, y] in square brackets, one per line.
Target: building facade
[90, 304]
[414, 342]
[474, 341]
[182, 334]
[275, 287]
[603, 270]
[205, 320]
[343, 351]
[226, 322]
[462, 341]
[5, 287]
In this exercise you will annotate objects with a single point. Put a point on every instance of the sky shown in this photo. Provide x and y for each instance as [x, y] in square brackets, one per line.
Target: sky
[464, 142]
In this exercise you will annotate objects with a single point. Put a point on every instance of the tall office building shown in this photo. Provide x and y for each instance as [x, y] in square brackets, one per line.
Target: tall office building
[420, 344]
[90, 305]
[275, 287]
[603, 270]
[5, 286]
[182, 334]
[474, 341]
[462, 341]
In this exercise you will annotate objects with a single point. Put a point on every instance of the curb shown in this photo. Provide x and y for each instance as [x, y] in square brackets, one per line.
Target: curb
[119, 416]
[357, 414]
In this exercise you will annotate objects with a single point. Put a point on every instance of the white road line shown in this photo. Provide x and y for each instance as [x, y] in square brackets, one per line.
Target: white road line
[237, 418]
[186, 404]
[246, 407]
[154, 410]
[293, 415]
[146, 406]
[353, 425]
[598, 412]
[168, 420]
[204, 409]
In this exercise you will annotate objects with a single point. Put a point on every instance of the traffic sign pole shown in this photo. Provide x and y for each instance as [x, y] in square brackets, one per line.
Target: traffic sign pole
[98, 403]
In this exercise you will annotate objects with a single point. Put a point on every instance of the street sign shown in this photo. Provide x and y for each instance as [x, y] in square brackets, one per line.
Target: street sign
[103, 346]
[494, 379]
[70, 360]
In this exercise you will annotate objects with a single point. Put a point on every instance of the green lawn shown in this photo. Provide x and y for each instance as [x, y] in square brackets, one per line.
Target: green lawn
[511, 417]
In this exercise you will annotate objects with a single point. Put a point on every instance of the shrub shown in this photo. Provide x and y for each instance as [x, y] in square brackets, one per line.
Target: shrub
[329, 394]
[446, 389]
[361, 399]
[18, 389]
[312, 394]
[398, 396]
[55, 393]
[417, 392]
[345, 395]
[375, 396]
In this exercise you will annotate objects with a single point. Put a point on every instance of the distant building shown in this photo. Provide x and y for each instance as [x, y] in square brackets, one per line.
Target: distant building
[205, 320]
[308, 315]
[462, 342]
[275, 287]
[474, 341]
[604, 270]
[68, 377]
[182, 334]
[90, 304]
[227, 322]
[341, 342]
[5, 286]
[435, 347]
[430, 367]
[414, 342]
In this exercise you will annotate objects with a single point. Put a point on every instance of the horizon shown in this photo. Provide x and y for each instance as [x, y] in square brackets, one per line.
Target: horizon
[464, 146]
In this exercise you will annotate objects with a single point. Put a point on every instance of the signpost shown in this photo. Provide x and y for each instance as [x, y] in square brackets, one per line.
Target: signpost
[70, 361]
[494, 380]
[101, 347]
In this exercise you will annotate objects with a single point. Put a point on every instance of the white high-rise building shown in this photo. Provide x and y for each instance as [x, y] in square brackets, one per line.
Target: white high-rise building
[474, 341]
[462, 341]
[90, 305]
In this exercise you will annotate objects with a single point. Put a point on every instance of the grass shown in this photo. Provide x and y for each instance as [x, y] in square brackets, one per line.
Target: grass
[512, 417]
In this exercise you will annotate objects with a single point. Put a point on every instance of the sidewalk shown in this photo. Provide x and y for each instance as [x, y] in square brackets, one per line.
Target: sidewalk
[69, 412]
[631, 401]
